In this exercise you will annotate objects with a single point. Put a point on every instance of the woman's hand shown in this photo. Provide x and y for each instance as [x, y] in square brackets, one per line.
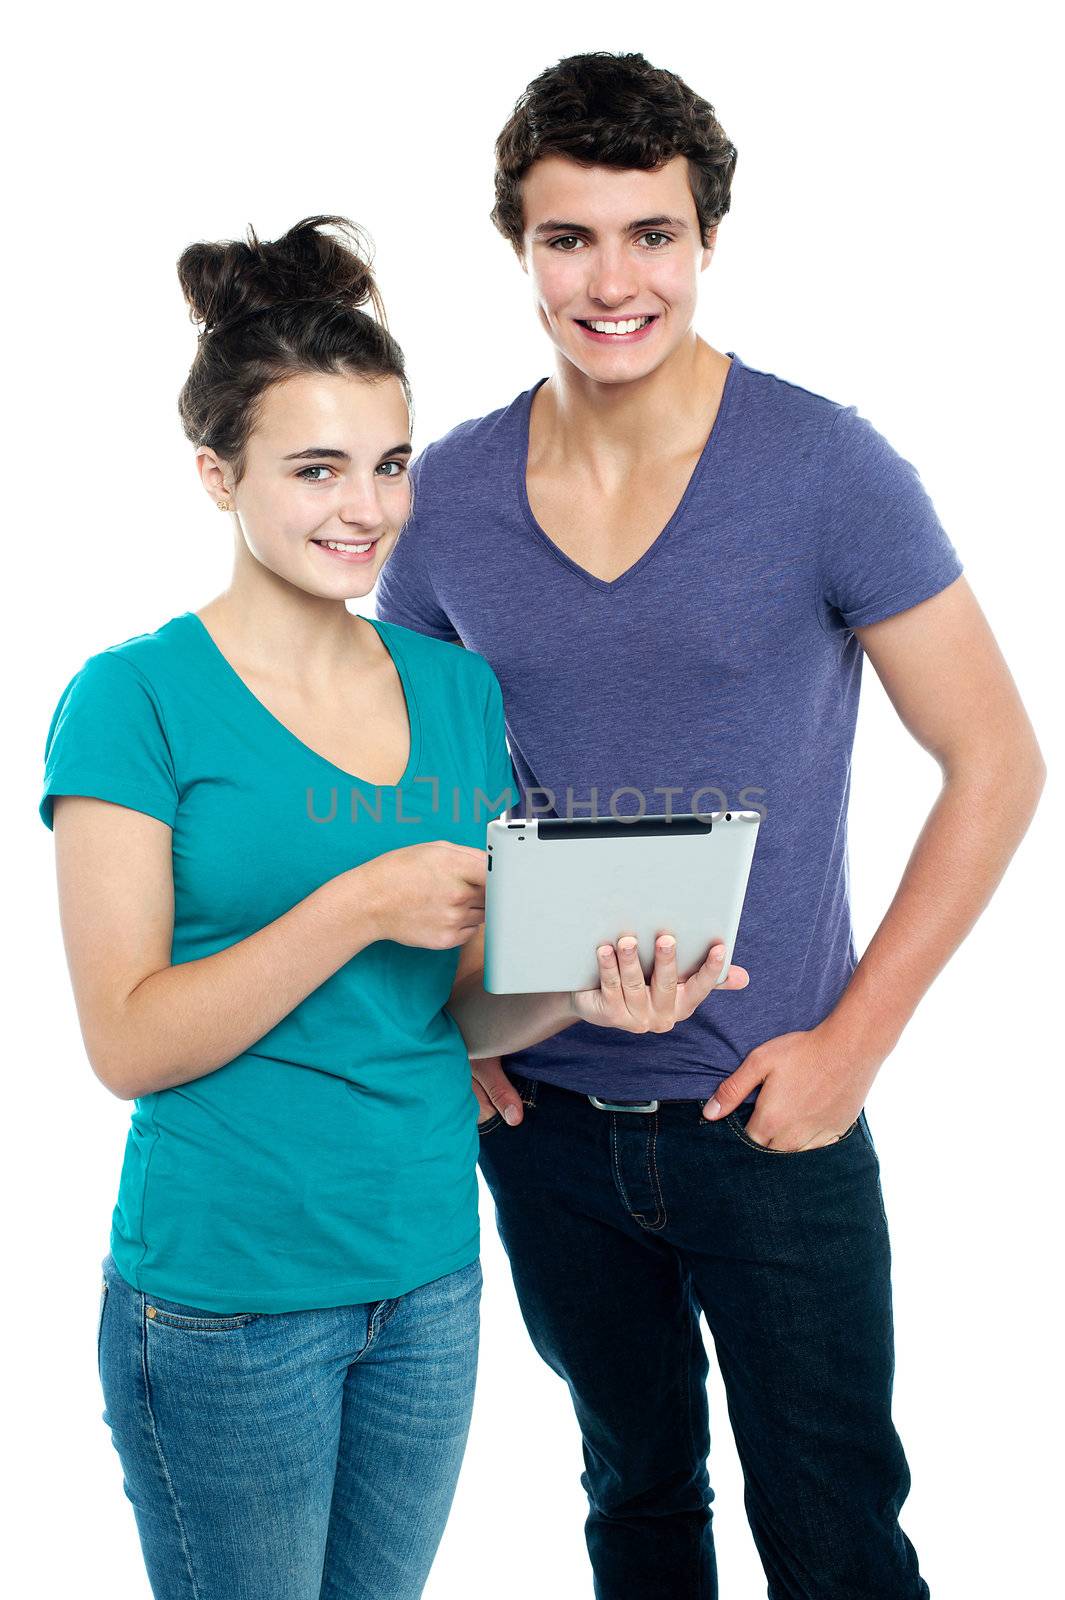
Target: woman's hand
[623, 1000]
[427, 895]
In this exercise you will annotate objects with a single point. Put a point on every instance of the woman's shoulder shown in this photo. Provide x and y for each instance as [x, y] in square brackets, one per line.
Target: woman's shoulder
[147, 654]
[133, 677]
[437, 658]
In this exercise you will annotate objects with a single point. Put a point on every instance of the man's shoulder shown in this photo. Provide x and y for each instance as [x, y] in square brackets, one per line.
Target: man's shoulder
[497, 433]
[789, 398]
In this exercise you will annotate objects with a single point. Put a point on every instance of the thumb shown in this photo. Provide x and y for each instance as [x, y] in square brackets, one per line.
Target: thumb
[488, 1073]
[731, 1091]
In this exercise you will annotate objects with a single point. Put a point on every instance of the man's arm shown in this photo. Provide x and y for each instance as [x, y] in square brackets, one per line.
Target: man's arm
[946, 677]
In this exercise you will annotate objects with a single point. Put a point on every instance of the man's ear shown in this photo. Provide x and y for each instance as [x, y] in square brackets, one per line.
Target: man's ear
[708, 248]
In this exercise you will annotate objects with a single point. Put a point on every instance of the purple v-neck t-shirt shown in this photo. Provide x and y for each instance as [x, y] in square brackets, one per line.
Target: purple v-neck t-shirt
[720, 671]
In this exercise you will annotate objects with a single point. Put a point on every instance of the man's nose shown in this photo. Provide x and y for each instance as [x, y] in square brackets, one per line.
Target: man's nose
[613, 280]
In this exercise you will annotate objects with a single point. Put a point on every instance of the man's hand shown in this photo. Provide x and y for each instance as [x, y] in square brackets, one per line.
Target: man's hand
[495, 1092]
[814, 1086]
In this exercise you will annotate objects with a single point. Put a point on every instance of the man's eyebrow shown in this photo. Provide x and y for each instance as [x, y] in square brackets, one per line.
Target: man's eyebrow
[322, 452]
[657, 222]
[555, 226]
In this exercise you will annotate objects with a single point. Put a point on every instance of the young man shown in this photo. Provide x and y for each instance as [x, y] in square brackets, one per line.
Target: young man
[675, 564]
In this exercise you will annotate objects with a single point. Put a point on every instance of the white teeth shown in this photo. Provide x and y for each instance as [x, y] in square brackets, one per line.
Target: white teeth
[630, 326]
[357, 549]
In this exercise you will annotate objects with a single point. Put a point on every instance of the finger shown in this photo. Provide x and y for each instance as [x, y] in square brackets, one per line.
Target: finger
[738, 978]
[633, 988]
[471, 866]
[609, 976]
[603, 1006]
[821, 1140]
[731, 1091]
[462, 849]
[664, 977]
[488, 1075]
[485, 1108]
[695, 989]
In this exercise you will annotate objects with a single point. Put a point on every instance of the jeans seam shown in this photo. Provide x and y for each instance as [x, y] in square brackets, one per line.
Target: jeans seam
[100, 1322]
[159, 1450]
[530, 1098]
[638, 1216]
[652, 1163]
[768, 1150]
[617, 1165]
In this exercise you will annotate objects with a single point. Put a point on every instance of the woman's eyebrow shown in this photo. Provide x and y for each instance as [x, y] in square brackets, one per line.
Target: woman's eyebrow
[317, 450]
[320, 451]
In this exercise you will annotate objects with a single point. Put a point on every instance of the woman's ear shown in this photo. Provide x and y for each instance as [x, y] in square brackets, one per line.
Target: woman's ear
[213, 473]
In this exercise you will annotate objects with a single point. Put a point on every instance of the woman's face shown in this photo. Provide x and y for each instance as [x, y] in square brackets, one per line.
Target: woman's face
[326, 466]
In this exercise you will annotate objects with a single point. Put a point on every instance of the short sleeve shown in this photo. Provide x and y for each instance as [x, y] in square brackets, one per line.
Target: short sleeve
[501, 781]
[882, 546]
[405, 594]
[107, 740]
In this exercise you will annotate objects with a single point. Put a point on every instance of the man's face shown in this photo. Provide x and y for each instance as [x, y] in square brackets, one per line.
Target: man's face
[608, 248]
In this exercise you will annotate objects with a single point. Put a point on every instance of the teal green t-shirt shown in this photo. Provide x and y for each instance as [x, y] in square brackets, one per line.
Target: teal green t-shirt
[334, 1161]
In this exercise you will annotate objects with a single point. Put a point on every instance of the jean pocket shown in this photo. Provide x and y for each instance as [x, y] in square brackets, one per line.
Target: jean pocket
[490, 1124]
[526, 1088]
[191, 1319]
[739, 1119]
[100, 1321]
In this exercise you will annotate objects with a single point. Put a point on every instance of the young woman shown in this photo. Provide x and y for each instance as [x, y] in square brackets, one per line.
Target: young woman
[269, 818]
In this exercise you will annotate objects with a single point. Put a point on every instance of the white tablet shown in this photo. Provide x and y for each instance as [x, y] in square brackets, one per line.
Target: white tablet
[556, 890]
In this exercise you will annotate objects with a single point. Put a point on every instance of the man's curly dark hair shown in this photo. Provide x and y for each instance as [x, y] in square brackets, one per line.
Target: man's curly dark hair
[613, 111]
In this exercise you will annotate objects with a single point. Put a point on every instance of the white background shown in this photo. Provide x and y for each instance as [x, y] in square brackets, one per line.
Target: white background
[892, 240]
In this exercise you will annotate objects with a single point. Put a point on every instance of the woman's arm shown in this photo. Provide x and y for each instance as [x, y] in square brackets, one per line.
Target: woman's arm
[497, 1024]
[148, 1025]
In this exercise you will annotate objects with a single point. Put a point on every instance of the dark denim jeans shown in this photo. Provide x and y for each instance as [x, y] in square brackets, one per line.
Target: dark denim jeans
[620, 1228]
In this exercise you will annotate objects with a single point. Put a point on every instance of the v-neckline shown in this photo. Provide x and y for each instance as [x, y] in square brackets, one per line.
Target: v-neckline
[525, 505]
[391, 644]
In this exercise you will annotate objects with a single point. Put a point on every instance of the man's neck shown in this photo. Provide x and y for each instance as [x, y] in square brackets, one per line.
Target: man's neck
[575, 416]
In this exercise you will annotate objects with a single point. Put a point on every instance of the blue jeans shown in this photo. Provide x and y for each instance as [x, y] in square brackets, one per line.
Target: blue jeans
[302, 1455]
[621, 1227]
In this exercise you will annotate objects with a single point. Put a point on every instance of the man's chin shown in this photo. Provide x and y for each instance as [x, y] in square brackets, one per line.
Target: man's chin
[611, 370]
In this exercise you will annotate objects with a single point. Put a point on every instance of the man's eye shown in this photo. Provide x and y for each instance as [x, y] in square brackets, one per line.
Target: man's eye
[565, 239]
[400, 467]
[663, 236]
[303, 474]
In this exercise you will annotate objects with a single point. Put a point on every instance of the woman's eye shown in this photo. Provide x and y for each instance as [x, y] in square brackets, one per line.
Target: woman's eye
[565, 239]
[306, 470]
[399, 466]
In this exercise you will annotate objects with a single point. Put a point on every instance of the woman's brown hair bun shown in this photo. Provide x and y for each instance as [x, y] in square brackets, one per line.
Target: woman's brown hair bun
[235, 278]
[273, 308]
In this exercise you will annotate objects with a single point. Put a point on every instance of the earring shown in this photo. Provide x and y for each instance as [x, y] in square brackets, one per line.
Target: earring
[223, 505]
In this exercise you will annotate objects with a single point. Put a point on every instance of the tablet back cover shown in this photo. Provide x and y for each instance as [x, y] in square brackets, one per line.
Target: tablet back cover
[555, 892]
